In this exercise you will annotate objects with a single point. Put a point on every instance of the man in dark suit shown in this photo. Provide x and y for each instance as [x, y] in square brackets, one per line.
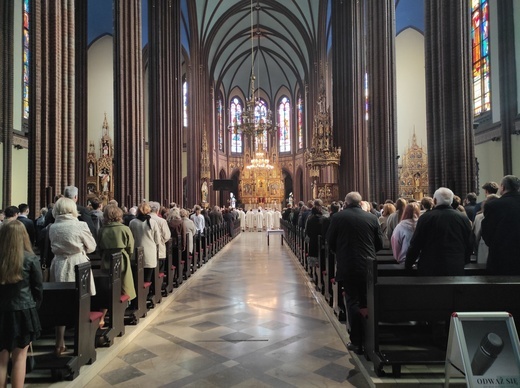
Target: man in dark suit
[28, 223]
[501, 229]
[354, 235]
[442, 239]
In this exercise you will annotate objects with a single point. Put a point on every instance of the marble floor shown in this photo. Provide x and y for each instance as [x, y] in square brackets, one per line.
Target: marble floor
[250, 317]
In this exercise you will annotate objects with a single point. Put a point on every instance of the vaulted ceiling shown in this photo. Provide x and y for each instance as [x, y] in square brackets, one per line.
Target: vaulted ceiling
[282, 36]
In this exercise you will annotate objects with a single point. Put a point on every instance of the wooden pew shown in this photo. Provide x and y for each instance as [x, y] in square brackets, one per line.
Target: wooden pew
[138, 308]
[178, 263]
[68, 304]
[169, 269]
[155, 296]
[108, 296]
[395, 301]
[186, 258]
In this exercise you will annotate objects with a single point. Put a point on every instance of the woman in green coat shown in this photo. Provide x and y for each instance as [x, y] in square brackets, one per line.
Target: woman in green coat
[114, 237]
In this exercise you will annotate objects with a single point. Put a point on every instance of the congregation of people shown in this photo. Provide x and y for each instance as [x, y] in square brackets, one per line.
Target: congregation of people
[436, 236]
[66, 234]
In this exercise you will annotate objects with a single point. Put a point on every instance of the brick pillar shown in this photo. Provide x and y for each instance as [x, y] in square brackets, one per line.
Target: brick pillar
[129, 104]
[348, 96]
[6, 91]
[382, 127]
[166, 103]
[52, 99]
[449, 107]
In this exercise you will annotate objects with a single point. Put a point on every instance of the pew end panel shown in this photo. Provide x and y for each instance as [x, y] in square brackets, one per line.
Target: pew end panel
[76, 296]
[408, 311]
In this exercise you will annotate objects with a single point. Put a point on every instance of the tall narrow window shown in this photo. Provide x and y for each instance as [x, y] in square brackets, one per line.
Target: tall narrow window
[220, 124]
[260, 115]
[300, 122]
[480, 40]
[185, 103]
[26, 59]
[235, 117]
[284, 121]
[367, 106]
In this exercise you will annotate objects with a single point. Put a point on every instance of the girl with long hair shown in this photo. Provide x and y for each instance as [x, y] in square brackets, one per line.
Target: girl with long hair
[403, 232]
[21, 292]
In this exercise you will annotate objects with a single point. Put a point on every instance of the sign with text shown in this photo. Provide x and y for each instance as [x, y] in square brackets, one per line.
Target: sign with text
[483, 348]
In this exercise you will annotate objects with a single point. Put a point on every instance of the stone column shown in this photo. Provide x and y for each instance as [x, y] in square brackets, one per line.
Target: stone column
[129, 104]
[382, 127]
[348, 96]
[449, 105]
[52, 120]
[165, 105]
[507, 80]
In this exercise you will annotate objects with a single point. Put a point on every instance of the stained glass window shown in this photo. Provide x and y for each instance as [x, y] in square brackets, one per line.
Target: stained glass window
[300, 122]
[260, 114]
[220, 124]
[235, 117]
[480, 54]
[284, 121]
[26, 59]
[185, 103]
[367, 106]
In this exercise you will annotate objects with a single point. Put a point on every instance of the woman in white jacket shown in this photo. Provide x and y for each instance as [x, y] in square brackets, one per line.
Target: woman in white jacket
[146, 234]
[70, 241]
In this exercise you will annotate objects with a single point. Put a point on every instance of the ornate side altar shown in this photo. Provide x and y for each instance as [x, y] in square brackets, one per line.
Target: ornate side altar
[100, 182]
[413, 173]
[323, 158]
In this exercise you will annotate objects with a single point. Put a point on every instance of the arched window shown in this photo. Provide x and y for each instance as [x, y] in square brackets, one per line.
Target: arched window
[481, 64]
[235, 118]
[300, 122]
[185, 103]
[260, 114]
[26, 59]
[284, 121]
[220, 124]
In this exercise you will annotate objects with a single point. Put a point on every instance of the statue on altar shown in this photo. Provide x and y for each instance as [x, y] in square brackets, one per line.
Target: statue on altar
[105, 179]
[204, 191]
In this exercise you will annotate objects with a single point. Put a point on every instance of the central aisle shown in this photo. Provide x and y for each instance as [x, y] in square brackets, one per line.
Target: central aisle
[247, 319]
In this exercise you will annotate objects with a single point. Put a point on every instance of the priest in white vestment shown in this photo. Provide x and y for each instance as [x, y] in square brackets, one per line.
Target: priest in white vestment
[250, 220]
[259, 217]
[276, 219]
[268, 216]
[242, 219]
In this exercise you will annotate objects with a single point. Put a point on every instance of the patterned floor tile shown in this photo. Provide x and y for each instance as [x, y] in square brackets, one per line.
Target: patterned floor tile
[121, 375]
[236, 337]
[203, 326]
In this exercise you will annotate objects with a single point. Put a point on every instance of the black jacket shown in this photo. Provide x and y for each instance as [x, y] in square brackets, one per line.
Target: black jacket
[501, 232]
[28, 292]
[313, 230]
[354, 235]
[441, 241]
